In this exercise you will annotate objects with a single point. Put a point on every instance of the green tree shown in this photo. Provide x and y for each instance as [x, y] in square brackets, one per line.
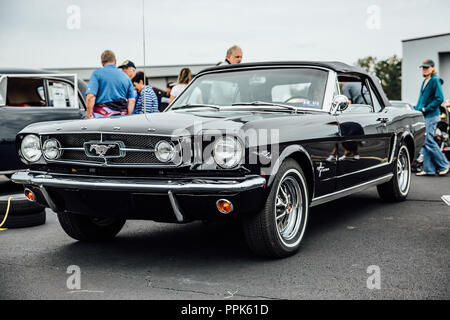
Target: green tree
[389, 72]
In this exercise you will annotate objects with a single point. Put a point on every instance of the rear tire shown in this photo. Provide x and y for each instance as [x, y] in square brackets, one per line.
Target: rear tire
[85, 228]
[277, 230]
[397, 188]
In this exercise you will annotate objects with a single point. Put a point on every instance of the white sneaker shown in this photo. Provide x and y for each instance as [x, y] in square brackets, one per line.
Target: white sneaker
[356, 157]
[331, 158]
[420, 158]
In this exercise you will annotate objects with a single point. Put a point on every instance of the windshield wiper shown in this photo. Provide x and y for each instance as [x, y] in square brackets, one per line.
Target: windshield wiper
[196, 105]
[265, 104]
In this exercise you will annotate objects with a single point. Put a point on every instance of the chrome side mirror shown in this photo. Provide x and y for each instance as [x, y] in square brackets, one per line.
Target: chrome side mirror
[340, 103]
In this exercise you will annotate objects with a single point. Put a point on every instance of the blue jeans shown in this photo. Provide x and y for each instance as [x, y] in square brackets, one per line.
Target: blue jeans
[433, 158]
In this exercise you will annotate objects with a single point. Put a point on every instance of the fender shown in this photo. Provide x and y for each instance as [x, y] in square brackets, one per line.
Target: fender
[286, 153]
[404, 136]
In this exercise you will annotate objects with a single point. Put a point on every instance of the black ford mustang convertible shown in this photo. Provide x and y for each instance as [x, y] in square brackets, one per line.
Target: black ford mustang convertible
[263, 141]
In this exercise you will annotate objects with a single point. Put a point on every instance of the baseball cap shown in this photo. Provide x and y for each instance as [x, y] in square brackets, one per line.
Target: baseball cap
[127, 64]
[427, 63]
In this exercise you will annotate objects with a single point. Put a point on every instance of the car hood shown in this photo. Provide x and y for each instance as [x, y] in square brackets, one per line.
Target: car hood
[164, 123]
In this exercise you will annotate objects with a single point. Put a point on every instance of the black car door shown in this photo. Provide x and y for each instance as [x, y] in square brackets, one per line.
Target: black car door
[363, 149]
[28, 99]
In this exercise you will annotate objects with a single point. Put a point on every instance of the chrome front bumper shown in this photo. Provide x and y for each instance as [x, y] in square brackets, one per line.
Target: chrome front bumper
[170, 187]
[193, 185]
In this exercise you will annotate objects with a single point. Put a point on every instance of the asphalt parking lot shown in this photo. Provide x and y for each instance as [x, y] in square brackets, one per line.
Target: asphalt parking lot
[409, 242]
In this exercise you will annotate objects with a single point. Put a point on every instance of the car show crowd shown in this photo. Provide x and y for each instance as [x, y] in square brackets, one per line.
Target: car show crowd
[112, 92]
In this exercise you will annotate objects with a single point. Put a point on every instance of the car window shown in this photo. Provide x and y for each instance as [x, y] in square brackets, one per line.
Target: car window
[215, 92]
[337, 89]
[24, 92]
[300, 87]
[286, 92]
[376, 102]
[358, 94]
[60, 94]
[41, 92]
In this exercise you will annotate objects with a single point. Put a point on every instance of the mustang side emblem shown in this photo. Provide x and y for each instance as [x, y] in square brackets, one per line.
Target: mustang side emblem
[321, 169]
[101, 149]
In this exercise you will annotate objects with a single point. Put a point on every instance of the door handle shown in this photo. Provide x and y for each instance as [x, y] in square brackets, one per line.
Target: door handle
[383, 119]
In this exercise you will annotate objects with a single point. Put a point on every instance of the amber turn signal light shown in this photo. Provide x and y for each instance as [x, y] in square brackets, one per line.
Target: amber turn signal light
[30, 195]
[224, 206]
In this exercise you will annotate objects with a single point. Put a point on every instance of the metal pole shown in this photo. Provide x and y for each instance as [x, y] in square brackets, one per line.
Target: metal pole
[143, 42]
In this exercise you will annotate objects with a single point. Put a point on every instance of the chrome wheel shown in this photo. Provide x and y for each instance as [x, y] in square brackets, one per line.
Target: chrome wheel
[403, 171]
[277, 229]
[289, 208]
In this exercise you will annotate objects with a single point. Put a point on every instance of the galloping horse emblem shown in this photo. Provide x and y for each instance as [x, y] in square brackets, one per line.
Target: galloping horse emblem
[101, 149]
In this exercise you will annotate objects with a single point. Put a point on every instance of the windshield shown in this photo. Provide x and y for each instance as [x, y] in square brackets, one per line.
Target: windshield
[297, 87]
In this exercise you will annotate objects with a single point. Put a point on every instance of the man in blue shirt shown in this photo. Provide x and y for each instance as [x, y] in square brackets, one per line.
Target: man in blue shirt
[110, 91]
[354, 92]
[146, 101]
[430, 99]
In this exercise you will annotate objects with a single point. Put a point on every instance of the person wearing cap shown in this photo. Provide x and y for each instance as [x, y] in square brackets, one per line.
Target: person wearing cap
[129, 68]
[109, 91]
[430, 98]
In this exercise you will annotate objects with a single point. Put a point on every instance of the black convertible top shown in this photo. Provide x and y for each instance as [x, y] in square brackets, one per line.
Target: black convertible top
[339, 67]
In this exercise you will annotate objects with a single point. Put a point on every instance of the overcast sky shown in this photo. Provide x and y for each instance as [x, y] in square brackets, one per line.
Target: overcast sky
[73, 33]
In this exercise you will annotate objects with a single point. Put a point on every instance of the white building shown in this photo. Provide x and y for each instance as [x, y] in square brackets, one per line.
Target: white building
[157, 76]
[415, 51]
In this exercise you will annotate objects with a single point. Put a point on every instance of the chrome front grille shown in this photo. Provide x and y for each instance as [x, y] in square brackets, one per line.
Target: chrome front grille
[139, 149]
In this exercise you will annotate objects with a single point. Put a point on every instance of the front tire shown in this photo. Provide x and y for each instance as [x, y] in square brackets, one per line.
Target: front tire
[278, 229]
[85, 228]
[397, 188]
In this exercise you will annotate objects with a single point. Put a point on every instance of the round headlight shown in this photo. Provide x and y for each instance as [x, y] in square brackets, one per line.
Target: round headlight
[164, 151]
[31, 148]
[227, 152]
[51, 149]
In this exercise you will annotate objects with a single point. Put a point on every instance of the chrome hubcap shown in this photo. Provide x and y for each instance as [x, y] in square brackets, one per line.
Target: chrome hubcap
[289, 208]
[403, 171]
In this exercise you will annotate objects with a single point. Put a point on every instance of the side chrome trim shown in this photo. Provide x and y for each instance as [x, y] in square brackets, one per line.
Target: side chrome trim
[365, 169]
[394, 147]
[351, 190]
